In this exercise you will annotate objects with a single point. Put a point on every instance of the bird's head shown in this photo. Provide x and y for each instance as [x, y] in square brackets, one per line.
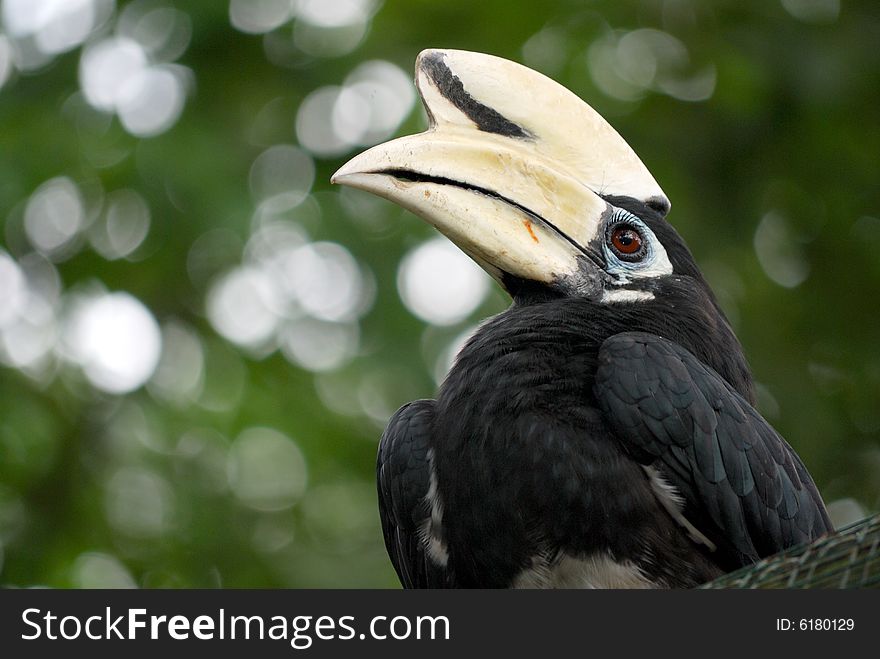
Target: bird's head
[536, 187]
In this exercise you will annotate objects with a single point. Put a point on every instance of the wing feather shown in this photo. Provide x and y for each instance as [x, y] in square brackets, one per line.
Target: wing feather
[744, 487]
[403, 471]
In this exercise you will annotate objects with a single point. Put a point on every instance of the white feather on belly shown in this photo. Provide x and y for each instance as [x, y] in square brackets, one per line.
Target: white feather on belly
[596, 571]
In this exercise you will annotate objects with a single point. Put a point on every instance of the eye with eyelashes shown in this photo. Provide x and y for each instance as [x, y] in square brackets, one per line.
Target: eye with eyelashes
[627, 242]
[632, 250]
[626, 238]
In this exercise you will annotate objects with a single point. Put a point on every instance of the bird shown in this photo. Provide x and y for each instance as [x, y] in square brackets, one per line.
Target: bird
[601, 432]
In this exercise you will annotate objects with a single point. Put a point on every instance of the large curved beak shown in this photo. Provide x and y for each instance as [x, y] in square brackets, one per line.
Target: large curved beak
[513, 169]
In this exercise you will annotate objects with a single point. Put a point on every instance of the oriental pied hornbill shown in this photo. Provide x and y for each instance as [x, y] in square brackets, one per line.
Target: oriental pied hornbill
[601, 432]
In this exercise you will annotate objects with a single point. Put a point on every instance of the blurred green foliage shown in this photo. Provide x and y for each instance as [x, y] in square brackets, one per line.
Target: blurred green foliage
[759, 119]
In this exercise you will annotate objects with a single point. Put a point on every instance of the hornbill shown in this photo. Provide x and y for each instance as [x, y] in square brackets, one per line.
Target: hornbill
[601, 432]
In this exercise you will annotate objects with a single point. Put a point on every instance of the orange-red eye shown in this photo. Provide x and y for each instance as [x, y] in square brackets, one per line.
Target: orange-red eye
[626, 240]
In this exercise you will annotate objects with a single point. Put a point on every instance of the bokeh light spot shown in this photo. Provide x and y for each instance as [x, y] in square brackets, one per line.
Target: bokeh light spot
[779, 253]
[377, 96]
[105, 68]
[6, 62]
[201, 454]
[266, 469]
[259, 16]
[375, 99]
[13, 289]
[225, 378]
[281, 177]
[139, 503]
[27, 341]
[844, 512]
[314, 123]
[242, 305]
[339, 516]
[163, 31]
[813, 11]
[318, 41]
[625, 65]
[180, 374]
[97, 570]
[150, 101]
[115, 339]
[124, 225]
[272, 535]
[326, 280]
[54, 26]
[28, 325]
[439, 284]
[317, 345]
[351, 115]
[545, 50]
[272, 242]
[54, 215]
[334, 13]
[116, 76]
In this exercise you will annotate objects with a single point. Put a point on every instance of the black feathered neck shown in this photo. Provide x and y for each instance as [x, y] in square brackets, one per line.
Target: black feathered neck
[682, 311]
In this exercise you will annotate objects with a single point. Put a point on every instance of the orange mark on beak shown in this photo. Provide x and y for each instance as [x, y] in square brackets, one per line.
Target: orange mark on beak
[528, 226]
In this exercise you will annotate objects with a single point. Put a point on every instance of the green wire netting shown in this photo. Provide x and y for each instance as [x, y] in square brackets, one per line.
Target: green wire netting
[847, 559]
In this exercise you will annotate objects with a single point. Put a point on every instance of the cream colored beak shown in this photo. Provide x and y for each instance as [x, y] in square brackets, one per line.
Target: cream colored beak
[513, 169]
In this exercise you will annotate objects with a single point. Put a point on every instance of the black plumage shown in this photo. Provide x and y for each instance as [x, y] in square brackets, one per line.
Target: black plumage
[404, 481]
[541, 430]
[743, 485]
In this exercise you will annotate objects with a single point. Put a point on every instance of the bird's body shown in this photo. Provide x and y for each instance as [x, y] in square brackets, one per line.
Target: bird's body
[540, 490]
[537, 486]
[600, 432]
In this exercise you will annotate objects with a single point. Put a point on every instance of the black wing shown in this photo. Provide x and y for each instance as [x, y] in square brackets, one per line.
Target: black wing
[403, 475]
[743, 485]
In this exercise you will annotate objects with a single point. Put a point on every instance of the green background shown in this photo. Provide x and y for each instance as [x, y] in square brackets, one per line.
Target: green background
[759, 119]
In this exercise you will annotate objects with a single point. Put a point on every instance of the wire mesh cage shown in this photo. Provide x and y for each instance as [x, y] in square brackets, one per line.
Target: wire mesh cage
[846, 559]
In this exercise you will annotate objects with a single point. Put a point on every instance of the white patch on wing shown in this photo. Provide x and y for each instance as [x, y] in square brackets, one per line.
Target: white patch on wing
[673, 503]
[613, 295]
[432, 528]
[596, 571]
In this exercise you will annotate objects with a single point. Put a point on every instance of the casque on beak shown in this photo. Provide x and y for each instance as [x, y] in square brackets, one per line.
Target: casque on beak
[513, 169]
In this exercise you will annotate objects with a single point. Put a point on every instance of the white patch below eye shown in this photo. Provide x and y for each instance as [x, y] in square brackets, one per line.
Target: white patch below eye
[613, 295]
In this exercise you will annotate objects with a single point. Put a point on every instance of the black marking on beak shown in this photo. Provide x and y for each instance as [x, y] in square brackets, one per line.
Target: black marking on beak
[452, 89]
[592, 255]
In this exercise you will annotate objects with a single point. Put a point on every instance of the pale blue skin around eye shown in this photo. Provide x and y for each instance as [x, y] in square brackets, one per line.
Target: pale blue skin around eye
[619, 268]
